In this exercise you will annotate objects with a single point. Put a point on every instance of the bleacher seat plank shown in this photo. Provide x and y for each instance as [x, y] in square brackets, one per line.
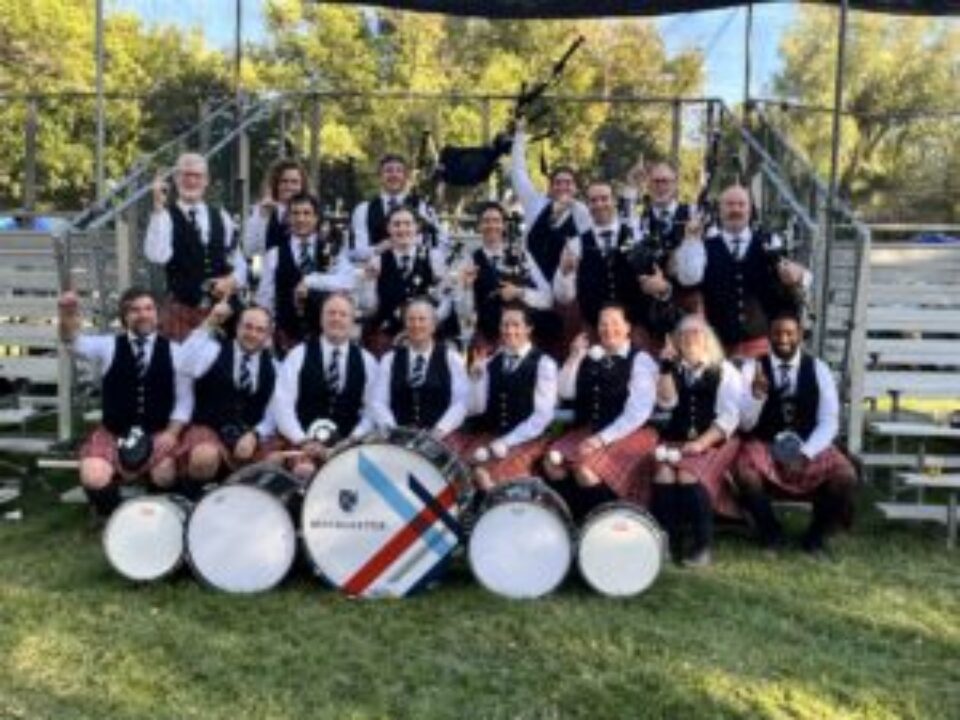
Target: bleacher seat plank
[913, 511]
[35, 369]
[913, 320]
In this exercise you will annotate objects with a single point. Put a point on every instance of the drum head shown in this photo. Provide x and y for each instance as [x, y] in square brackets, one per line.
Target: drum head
[380, 520]
[520, 548]
[143, 539]
[621, 550]
[241, 539]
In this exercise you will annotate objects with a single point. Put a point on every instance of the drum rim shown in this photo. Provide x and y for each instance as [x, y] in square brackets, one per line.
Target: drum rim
[315, 565]
[639, 512]
[201, 578]
[569, 555]
[492, 495]
[168, 499]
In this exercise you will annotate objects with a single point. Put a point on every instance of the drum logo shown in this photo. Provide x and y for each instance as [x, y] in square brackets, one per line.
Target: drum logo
[348, 500]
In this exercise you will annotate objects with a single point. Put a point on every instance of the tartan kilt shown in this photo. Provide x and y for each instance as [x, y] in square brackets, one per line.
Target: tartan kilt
[752, 348]
[712, 469]
[101, 444]
[178, 320]
[196, 435]
[624, 466]
[521, 461]
[831, 463]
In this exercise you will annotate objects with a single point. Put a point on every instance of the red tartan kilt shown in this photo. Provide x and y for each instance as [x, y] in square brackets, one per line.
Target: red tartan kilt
[712, 469]
[196, 435]
[752, 348]
[521, 461]
[101, 444]
[178, 320]
[831, 463]
[625, 466]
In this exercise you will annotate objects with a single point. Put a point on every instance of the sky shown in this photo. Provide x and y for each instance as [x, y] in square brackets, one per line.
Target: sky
[719, 33]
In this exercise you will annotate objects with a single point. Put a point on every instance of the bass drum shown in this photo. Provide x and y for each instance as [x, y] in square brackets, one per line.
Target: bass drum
[143, 539]
[621, 549]
[521, 544]
[381, 518]
[241, 536]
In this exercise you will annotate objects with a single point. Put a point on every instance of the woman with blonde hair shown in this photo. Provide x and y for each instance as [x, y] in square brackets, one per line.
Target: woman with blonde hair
[701, 392]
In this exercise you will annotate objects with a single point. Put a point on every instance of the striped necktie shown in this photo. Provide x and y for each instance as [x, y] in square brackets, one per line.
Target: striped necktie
[419, 374]
[246, 377]
[304, 261]
[333, 371]
[140, 355]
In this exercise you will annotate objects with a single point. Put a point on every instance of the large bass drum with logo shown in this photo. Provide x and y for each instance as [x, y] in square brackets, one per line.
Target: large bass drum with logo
[521, 545]
[241, 536]
[621, 549]
[382, 517]
[143, 539]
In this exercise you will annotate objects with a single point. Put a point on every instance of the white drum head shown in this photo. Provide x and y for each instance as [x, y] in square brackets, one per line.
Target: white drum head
[379, 520]
[620, 552]
[241, 539]
[143, 539]
[520, 549]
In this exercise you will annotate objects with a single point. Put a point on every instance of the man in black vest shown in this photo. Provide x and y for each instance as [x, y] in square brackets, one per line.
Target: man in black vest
[789, 391]
[408, 269]
[501, 271]
[422, 383]
[233, 385]
[298, 273]
[369, 221]
[595, 269]
[195, 244]
[143, 395]
[326, 378]
[742, 276]
[268, 226]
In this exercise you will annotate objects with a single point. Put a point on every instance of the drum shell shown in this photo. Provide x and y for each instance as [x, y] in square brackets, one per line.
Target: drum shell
[276, 486]
[635, 513]
[526, 491]
[181, 509]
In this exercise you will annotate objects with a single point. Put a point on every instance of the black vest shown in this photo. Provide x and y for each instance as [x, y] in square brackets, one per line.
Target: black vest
[696, 405]
[796, 412]
[393, 289]
[545, 242]
[510, 396]
[739, 297]
[314, 400]
[668, 233]
[220, 403]
[193, 262]
[422, 406]
[608, 278]
[278, 231]
[296, 325]
[488, 306]
[129, 400]
[603, 387]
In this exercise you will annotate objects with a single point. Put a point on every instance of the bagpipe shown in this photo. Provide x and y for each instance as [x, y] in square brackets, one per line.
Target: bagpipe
[468, 166]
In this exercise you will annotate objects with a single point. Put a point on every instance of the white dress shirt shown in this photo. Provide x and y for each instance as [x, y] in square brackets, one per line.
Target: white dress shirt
[255, 231]
[642, 393]
[456, 411]
[99, 349]
[158, 244]
[544, 399]
[729, 397]
[284, 407]
[340, 277]
[828, 409]
[532, 200]
[200, 351]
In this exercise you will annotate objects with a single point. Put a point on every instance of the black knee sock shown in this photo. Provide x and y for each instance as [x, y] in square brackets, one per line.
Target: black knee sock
[758, 505]
[192, 490]
[571, 494]
[696, 508]
[104, 500]
[666, 511]
[829, 506]
[592, 496]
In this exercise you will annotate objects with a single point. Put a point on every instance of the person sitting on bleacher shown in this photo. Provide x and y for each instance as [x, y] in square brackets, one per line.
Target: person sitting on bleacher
[146, 401]
[791, 413]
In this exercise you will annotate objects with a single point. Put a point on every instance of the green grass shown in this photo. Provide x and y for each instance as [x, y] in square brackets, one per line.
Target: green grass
[875, 635]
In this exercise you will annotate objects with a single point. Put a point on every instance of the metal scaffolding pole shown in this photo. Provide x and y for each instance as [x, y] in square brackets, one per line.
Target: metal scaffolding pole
[101, 120]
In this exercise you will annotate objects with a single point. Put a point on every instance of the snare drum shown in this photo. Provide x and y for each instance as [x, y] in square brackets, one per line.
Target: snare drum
[143, 539]
[621, 549]
[241, 536]
[520, 546]
[381, 518]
